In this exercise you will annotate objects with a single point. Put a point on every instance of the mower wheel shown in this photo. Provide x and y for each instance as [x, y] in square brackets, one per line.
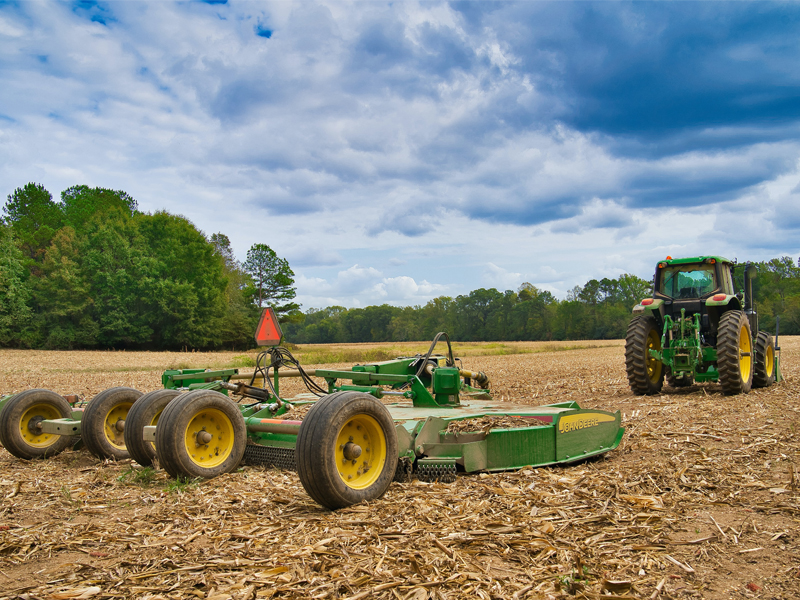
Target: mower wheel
[645, 373]
[200, 434]
[764, 375]
[145, 411]
[103, 422]
[676, 382]
[735, 353]
[346, 449]
[19, 419]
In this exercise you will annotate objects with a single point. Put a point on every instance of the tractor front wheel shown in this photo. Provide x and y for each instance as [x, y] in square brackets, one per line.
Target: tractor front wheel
[103, 422]
[764, 375]
[645, 372]
[20, 432]
[146, 411]
[735, 353]
[200, 434]
[346, 449]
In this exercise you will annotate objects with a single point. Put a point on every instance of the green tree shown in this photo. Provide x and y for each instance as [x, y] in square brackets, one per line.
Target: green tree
[62, 297]
[115, 262]
[273, 279]
[15, 292]
[183, 284]
[81, 203]
[241, 315]
[34, 218]
[631, 289]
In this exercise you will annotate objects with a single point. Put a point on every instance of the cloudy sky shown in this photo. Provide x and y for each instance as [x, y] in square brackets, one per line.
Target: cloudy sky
[398, 151]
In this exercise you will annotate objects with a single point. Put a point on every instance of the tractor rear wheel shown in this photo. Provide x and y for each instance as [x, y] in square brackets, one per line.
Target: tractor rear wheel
[200, 434]
[145, 411]
[103, 422]
[346, 449]
[735, 353]
[645, 372]
[19, 418]
[764, 375]
[676, 382]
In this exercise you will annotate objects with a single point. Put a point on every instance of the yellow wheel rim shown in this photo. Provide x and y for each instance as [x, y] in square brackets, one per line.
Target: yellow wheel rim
[770, 358]
[209, 438]
[27, 425]
[114, 424]
[745, 353]
[360, 452]
[653, 364]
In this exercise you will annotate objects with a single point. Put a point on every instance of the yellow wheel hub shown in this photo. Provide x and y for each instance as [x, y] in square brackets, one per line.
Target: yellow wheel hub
[28, 429]
[360, 452]
[114, 424]
[745, 354]
[770, 358]
[653, 364]
[209, 438]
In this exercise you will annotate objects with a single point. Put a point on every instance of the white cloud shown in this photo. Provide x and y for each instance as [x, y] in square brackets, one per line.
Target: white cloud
[500, 278]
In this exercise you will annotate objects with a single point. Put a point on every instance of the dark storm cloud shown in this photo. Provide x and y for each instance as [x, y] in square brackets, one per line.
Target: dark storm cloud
[651, 69]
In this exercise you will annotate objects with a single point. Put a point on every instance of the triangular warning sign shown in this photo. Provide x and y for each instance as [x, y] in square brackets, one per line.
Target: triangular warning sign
[268, 332]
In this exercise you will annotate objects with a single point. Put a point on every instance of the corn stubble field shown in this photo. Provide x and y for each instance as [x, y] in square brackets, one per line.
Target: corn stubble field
[701, 500]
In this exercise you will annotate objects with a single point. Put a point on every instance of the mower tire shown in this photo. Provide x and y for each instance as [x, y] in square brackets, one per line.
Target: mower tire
[18, 420]
[200, 434]
[764, 375]
[346, 449]
[645, 373]
[735, 353]
[145, 411]
[104, 420]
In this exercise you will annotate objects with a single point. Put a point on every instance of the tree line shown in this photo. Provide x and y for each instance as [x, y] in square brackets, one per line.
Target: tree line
[600, 309]
[92, 271]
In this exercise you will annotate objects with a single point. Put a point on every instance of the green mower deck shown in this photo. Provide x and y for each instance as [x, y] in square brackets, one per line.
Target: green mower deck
[541, 435]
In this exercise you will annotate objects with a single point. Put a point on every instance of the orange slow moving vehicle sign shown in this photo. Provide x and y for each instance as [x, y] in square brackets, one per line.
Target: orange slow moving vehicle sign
[268, 332]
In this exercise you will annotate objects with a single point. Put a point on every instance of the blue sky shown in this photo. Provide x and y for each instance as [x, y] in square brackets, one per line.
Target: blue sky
[398, 151]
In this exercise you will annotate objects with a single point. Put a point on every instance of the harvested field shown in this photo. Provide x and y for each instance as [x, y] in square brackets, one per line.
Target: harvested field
[701, 500]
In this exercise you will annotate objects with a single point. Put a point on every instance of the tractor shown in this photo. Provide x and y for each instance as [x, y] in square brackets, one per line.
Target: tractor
[696, 327]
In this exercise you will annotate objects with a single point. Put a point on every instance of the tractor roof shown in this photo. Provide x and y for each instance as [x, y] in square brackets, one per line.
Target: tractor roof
[697, 259]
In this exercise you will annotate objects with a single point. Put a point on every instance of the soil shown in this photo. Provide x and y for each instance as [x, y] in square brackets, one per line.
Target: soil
[701, 500]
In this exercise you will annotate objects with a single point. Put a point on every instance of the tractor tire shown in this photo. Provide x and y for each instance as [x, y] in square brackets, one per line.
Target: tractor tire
[334, 469]
[103, 422]
[645, 373]
[764, 375]
[675, 382]
[18, 421]
[180, 449]
[735, 353]
[145, 411]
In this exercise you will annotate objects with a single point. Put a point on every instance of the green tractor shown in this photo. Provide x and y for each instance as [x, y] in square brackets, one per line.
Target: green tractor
[696, 327]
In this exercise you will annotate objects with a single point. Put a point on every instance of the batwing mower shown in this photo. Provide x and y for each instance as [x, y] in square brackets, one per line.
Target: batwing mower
[347, 439]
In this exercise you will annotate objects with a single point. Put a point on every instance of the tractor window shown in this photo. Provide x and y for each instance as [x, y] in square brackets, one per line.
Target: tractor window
[687, 281]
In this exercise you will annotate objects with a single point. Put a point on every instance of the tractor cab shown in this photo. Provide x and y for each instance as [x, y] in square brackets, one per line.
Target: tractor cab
[692, 286]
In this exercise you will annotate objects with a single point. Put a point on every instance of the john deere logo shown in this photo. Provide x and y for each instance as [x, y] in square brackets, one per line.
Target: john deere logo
[582, 421]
